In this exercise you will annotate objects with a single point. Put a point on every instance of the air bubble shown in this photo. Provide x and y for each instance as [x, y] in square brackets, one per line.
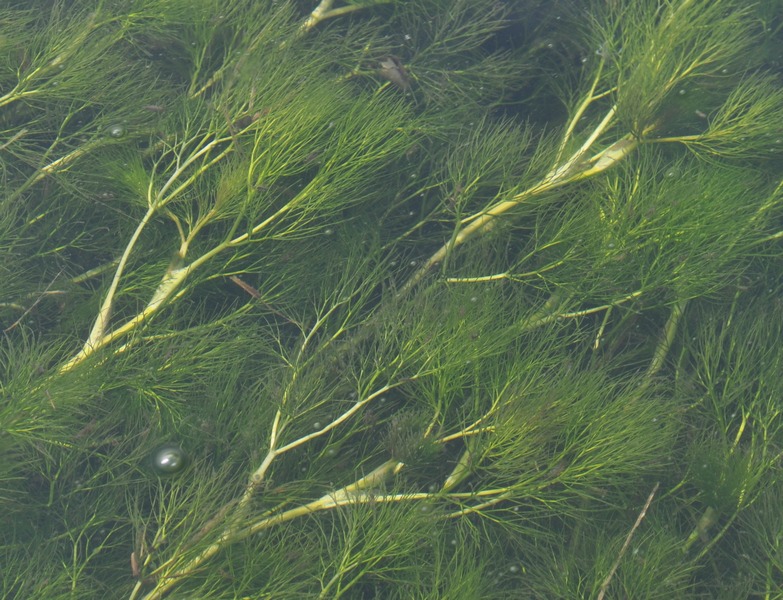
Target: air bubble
[116, 131]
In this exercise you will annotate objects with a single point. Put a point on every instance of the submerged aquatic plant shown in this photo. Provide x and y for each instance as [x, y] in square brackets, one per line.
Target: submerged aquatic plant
[280, 323]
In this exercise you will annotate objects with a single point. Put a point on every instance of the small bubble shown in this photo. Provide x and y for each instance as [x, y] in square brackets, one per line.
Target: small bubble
[116, 131]
[329, 231]
[317, 425]
[513, 568]
[681, 92]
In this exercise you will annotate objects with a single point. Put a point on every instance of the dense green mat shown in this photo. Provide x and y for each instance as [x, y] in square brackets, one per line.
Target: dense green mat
[443, 299]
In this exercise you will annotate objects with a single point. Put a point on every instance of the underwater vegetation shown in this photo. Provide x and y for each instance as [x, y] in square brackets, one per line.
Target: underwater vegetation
[432, 299]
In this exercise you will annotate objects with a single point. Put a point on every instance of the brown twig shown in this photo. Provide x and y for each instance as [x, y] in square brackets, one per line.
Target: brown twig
[608, 580]
[256, 295]
[246, 286]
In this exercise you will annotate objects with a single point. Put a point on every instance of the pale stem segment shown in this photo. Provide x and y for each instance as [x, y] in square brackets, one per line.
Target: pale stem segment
[575, 168]
[237, 509]
[156, 201]
[325, 11]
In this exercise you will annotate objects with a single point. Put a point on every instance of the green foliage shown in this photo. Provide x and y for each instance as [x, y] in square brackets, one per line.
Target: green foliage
[441, 299]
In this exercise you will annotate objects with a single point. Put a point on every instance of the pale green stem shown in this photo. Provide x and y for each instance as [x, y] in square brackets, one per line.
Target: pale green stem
[557, 177]
[350, 494]
[324, 11]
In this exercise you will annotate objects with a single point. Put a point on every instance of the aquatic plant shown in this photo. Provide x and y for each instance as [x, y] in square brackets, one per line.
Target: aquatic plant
[390, 299]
